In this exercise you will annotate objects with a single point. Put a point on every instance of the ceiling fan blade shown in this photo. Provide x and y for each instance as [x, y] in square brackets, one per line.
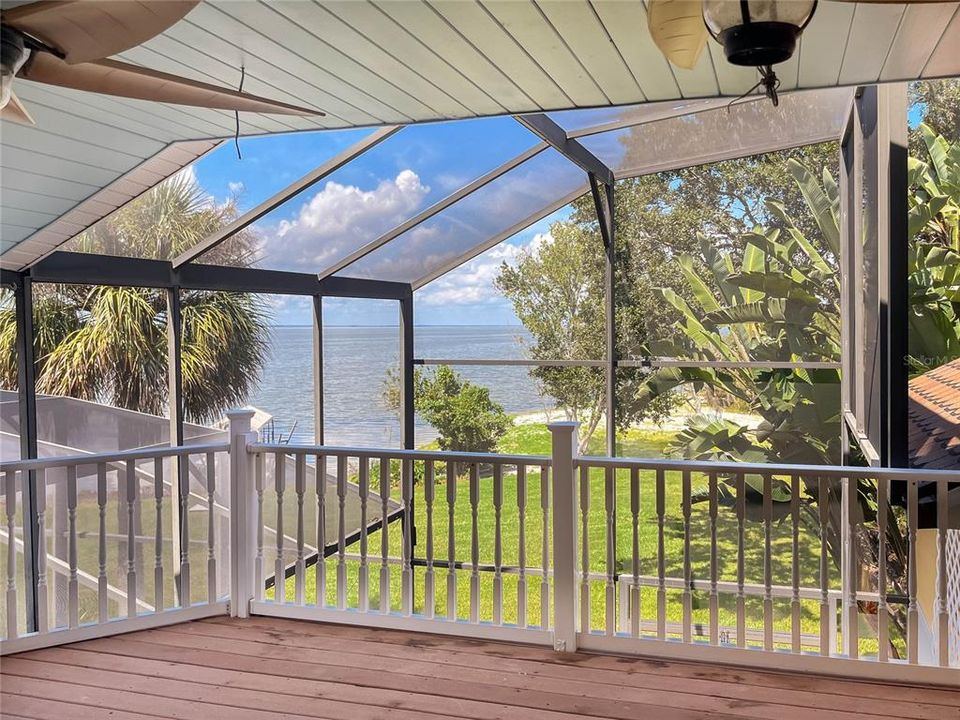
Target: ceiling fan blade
[677, 29]
[85, 30]
[15, 111]
[111, 77]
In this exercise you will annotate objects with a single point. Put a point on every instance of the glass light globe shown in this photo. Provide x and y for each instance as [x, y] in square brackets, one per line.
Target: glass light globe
[757, 32]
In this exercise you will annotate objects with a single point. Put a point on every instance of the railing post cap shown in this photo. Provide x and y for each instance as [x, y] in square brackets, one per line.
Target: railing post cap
[240, 419]
[563, 426]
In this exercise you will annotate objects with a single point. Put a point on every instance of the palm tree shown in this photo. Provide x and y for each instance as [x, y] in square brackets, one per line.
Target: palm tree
[109, 344]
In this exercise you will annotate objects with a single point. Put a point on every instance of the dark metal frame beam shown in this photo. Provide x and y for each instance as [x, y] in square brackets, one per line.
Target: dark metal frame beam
[318, 369]
[603, 199]
[180, 476]
[893, 236]
[88, 269]
[542, 126]
[27, 400]
[408, 411]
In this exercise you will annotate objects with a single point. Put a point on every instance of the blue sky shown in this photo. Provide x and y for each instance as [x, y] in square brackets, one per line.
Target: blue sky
[388, 184]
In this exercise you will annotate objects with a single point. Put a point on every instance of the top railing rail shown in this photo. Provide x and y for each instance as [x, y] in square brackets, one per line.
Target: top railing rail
[826, 471]
[60, 461]
[436, 455]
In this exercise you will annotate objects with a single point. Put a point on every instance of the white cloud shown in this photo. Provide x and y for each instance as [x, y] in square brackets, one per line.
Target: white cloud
[236, 188]
[473, 221]
[473, 282]
[340, 218]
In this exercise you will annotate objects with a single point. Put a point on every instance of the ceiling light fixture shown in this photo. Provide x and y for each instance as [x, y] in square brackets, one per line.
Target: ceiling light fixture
[758, 33]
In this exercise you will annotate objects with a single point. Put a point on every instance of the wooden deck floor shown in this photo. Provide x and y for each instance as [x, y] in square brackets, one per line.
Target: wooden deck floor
[263, 667]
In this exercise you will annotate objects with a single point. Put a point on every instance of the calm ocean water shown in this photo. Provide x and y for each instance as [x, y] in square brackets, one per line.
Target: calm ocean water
[356, 360]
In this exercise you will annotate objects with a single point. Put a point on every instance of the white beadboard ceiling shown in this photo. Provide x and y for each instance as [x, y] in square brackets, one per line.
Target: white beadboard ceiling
[401, 61]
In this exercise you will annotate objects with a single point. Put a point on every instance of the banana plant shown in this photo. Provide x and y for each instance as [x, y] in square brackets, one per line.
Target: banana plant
[934, 254]
[777, 301]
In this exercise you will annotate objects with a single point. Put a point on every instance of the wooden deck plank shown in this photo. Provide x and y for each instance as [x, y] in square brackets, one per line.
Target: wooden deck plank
[259, 667]
[41, 708]
[538, 691]
[389, 690]
[412, 644]
[563, 679]
[218, 691]
[106, 699]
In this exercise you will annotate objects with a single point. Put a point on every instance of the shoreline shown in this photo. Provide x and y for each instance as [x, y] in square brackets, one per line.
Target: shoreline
[675, 424]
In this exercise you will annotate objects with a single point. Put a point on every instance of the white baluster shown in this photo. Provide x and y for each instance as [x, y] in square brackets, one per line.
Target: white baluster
[795, 558]
[102, 596]
[280, 565]
[611, 590]
[942, 618]
[545, 546]
[584, 549]
[300, 487]
[60, 547]
[73, 585]
[522, 546]
[429, 587]
[384, 535]
[406, 573]
[883, 632]
[158, 537]
[363, 582]
[714, 564]
[320, 571]
[132, 498]
[43, 623]
[635, 612]
[474, 543]
[451, 541]
[211, 529]
[258, 571]
[661, 561]
[186, 597]
[767, 562]
[850, 582]
[497, 545]
[827, 614]
[10, 497]
[341, 532]
[913, 619]
[741, 598]
[687, 595]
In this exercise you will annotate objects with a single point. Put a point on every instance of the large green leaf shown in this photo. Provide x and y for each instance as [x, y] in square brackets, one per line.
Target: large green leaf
[770, 310]
[819, 203]
[699, 288]
[775, 284]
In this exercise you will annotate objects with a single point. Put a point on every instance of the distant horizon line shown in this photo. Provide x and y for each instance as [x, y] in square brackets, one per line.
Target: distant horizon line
[415, 325]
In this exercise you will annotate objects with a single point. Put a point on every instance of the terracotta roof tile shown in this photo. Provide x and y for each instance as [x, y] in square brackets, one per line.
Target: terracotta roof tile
[934, 418]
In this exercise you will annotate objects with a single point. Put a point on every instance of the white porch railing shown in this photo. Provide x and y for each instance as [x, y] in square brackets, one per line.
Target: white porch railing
[121, 547]
[731, 562]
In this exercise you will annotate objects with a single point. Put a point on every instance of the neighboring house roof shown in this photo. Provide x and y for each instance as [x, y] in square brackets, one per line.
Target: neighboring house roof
[934, 418]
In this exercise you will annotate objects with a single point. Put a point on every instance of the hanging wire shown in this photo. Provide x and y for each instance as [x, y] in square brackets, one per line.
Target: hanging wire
[236, 115]
[768, 81]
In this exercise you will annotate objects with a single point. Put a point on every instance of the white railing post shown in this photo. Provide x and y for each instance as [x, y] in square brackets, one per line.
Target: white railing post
[243, 513]
[564, 536]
